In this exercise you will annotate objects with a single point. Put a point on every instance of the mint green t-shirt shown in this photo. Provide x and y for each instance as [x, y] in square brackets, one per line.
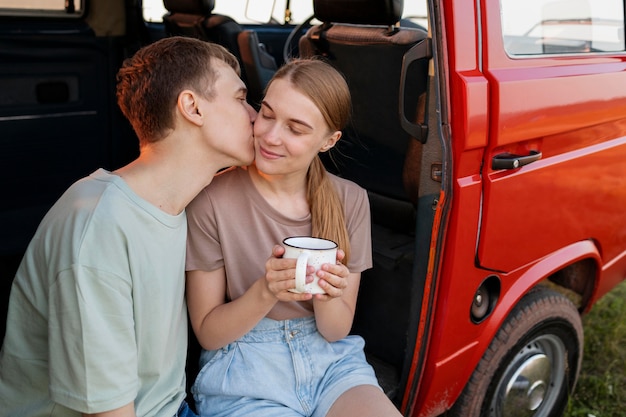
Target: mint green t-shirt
[97, 317]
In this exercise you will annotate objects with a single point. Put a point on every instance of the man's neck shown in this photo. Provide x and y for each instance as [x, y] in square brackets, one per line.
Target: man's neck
[167, 182]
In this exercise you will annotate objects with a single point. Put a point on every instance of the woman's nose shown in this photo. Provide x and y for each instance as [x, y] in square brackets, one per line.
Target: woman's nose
[268, 132]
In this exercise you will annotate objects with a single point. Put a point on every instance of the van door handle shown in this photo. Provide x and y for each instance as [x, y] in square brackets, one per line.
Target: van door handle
[512, 161]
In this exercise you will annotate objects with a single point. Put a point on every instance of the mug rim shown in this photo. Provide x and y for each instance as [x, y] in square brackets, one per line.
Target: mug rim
[301, 246]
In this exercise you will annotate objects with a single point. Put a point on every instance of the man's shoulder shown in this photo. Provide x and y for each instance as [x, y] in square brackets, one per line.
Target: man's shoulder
[95, 183]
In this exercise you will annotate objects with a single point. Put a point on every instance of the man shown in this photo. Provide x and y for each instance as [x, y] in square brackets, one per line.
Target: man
[97, 322]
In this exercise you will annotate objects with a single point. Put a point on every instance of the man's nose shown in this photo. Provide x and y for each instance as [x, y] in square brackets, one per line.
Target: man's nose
[253, 113]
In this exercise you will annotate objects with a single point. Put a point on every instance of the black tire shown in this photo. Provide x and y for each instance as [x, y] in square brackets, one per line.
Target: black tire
[531, 366]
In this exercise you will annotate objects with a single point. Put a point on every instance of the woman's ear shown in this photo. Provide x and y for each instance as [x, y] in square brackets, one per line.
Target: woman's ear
[188, 106]
[331, 141]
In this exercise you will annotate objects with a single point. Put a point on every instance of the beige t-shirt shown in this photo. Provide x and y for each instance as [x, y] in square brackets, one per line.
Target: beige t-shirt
[232, 226]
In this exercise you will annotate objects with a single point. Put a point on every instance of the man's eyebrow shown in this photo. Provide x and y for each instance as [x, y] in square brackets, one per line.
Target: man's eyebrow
[298, 121]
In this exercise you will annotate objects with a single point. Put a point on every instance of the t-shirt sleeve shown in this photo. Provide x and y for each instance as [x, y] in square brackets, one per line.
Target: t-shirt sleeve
[204, 249]
[359, 229]
[93, 353]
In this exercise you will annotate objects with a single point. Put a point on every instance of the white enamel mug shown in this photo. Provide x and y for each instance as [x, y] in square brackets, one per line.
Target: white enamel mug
[309, 251]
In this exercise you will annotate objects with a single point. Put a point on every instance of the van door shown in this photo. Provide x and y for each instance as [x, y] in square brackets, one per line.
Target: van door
[57, 106]
[557, 136]
[58, 117]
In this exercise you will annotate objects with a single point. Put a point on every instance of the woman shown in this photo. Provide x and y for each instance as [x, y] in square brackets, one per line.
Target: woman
[269, 351]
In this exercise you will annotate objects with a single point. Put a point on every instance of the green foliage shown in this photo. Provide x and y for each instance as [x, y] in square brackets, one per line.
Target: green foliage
[601, 387]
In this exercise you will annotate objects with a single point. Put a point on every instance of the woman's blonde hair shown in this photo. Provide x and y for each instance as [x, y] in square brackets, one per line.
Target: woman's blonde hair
[328, 90]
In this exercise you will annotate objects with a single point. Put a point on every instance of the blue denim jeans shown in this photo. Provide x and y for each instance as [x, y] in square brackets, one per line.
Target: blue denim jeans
[280, 368]
[185, 411]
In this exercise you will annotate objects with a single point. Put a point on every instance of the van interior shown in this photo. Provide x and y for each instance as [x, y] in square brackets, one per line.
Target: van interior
[60, 122]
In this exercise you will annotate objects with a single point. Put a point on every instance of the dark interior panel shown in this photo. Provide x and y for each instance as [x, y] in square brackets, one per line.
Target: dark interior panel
[56, 125]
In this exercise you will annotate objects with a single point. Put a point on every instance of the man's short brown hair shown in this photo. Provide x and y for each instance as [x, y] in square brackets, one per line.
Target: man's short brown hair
[148, 83]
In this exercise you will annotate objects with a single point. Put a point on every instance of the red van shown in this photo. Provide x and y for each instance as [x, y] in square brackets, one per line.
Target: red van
[490, 135]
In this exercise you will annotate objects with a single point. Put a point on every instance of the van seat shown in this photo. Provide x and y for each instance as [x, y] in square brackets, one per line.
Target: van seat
[363, 39]
[195, 18]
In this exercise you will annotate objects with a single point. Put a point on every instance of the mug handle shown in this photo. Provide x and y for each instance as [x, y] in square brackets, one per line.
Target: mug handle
[301, 263]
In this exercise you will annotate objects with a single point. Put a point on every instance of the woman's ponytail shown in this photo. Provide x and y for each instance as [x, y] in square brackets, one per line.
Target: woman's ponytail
[327, 212]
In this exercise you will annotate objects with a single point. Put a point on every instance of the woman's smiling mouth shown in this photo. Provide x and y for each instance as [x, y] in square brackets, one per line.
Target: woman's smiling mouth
[267, 154]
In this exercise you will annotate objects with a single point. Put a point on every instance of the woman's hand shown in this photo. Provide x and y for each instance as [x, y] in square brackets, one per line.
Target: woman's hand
[280, 276]
[333, 279]
[334, 311]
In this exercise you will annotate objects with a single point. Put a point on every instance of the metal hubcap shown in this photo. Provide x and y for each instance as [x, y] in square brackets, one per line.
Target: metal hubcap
[528, 386]
[532, 379]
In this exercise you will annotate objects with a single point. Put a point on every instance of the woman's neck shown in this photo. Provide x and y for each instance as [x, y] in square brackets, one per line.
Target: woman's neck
[286, 193]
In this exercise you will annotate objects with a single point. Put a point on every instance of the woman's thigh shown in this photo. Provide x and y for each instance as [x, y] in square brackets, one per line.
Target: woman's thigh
[363, 401]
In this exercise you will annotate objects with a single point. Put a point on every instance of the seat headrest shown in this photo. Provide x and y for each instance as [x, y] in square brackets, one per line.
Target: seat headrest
[201, 7]
[359, 12]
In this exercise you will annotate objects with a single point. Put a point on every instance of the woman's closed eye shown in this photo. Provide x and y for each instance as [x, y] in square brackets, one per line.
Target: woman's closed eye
[295, 129]
[266, 115]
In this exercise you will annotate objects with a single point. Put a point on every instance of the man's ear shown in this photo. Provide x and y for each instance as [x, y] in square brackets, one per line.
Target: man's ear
[189, 107]
[331, 141]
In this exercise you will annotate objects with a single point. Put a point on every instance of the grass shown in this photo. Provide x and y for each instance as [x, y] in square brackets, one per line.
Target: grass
[601, 387]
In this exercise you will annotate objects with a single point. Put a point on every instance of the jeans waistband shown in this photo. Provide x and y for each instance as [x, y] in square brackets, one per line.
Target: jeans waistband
[268, 330]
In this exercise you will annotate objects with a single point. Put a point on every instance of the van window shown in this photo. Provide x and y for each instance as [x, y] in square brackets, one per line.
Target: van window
[242, 11]
[535, 27]
[257, 11]
[60, 8]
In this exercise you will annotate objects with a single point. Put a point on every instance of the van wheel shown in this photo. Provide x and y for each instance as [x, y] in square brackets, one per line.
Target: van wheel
[532, 364]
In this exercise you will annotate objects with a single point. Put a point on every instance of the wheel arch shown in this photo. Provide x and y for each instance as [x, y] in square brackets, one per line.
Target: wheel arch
[560, 270]
[530, 332]
[564, 271]
[556, 280]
